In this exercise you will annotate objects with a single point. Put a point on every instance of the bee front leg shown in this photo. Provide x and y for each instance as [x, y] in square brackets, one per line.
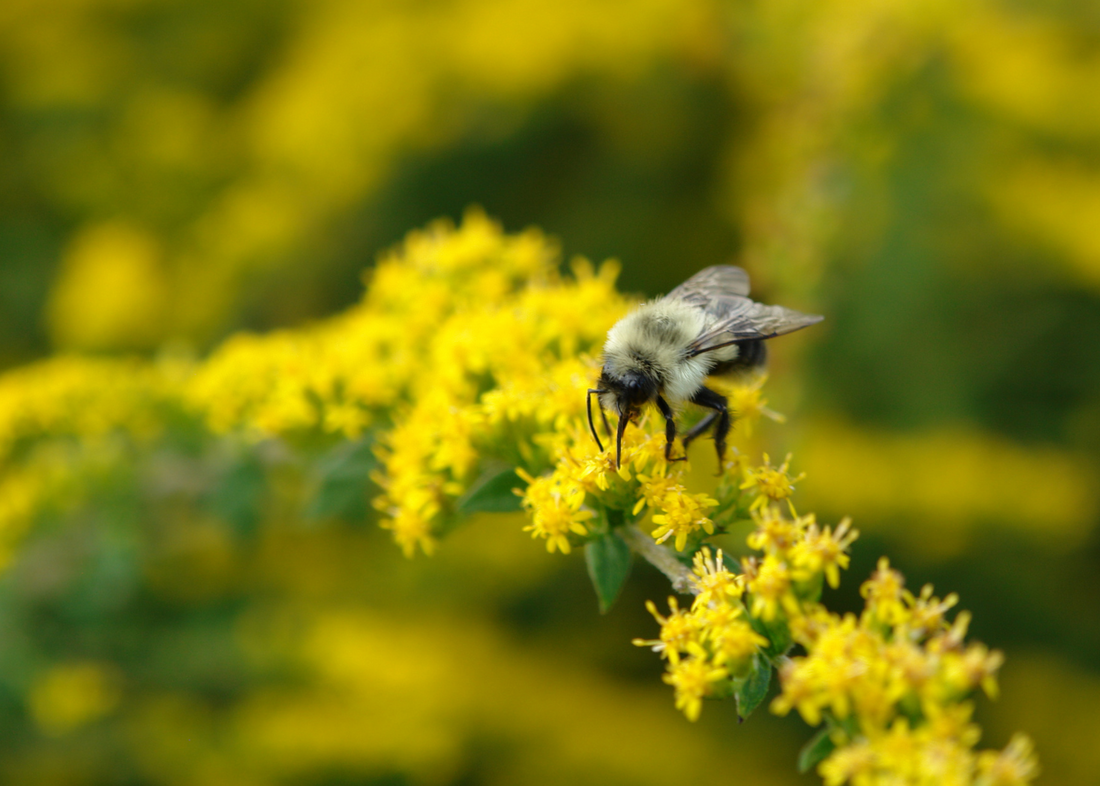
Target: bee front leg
[705, 397]
[670, 429]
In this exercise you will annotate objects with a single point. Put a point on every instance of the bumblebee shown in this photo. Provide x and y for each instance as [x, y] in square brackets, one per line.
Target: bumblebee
[664, 350]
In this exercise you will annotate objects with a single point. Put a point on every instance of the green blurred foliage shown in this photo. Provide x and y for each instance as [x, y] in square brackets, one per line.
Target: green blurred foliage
[926, 174]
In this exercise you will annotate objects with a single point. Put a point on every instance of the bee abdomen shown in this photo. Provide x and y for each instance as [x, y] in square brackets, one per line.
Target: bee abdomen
[751, 354]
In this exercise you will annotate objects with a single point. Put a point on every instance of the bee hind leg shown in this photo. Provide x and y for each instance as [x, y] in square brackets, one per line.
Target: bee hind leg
[705, 397]
[670, 430]
[698, 429]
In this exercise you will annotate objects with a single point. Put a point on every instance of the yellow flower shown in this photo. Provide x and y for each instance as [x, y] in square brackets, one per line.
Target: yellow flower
[654, 489]
[822, 550]
[555, 505]
[1016, 765]
[926, 612]
[772, 484]
[747, 403]
[714, 583]
[775, 533]
[411, 522]
[883, 592]
[694, 679]
[681, 515]
[678, 630]
[770, 586]
[728, 634]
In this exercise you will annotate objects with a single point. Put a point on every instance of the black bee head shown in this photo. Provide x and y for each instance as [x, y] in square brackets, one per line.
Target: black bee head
[625, 394]
[628, 392]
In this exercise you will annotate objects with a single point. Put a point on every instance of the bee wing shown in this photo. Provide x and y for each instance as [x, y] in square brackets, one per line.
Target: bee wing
[712, 282]
[722, 292]
[741, 319]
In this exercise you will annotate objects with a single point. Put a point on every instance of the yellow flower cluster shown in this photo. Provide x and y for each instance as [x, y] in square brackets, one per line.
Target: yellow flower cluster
[732, 610]
[61, 415]
[710, 647]
[465, 366]
[418, 326]
[893, 685]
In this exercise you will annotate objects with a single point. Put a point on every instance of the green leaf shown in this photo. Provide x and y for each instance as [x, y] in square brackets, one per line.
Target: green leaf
[343, 481]
[492, 493]
[755, 687]
[608, 559]
[814, 751]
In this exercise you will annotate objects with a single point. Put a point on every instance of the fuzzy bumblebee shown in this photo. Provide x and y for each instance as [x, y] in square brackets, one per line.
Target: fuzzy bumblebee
[664, 350]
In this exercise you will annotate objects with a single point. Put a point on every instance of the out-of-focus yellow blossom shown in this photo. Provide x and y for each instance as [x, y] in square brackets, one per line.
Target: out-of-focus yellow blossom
[71, 695]
[1016, 765]
[823, 550]
[884, 592]
[775, 533]
[694, 679]
[769, 583]
[747, 402]
[112, 291]
[949, 481]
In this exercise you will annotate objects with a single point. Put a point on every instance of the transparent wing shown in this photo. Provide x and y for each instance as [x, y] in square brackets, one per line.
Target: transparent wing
[741, 319]
[712, 282]
[722, 292]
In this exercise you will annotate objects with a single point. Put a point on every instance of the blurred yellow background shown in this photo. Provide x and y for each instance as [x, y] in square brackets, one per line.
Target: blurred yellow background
[924, 173]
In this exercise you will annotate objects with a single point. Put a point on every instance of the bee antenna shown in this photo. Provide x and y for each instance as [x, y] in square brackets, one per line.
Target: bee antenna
[624, 418]
[591, 425]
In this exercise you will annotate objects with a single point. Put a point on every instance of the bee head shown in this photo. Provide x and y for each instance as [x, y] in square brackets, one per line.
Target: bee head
[624, 393]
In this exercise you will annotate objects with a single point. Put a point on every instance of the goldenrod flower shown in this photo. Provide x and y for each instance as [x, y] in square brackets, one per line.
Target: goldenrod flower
[883, 592]
[694, 679]
[555, 505]
[771, 484]
[681, 515]
[770, 587]
[747, 403]
[822, 551]
[469, 352]
[1016, 765]
[678, 630]
[654, 489]
[729, 635]
[775, 533]
[714, 583]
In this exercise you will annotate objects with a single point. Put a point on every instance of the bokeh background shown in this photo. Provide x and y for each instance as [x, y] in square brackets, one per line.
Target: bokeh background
[925, 173]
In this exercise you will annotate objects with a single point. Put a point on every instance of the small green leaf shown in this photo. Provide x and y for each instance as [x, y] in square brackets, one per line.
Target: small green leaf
[755, 687]
[493, 493]
[814, 751]
[608, 559]
[343, 482]
[776, 632]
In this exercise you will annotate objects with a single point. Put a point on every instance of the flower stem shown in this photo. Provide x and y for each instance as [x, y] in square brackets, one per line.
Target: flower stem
[661, 558]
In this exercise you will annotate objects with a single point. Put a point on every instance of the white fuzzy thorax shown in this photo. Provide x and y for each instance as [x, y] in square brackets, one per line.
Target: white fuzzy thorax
[656, 335]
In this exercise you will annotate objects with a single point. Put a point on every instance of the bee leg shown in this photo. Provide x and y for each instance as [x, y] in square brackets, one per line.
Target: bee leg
[698, 429]
[705, 397]
[603, 416]
[670, 429]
